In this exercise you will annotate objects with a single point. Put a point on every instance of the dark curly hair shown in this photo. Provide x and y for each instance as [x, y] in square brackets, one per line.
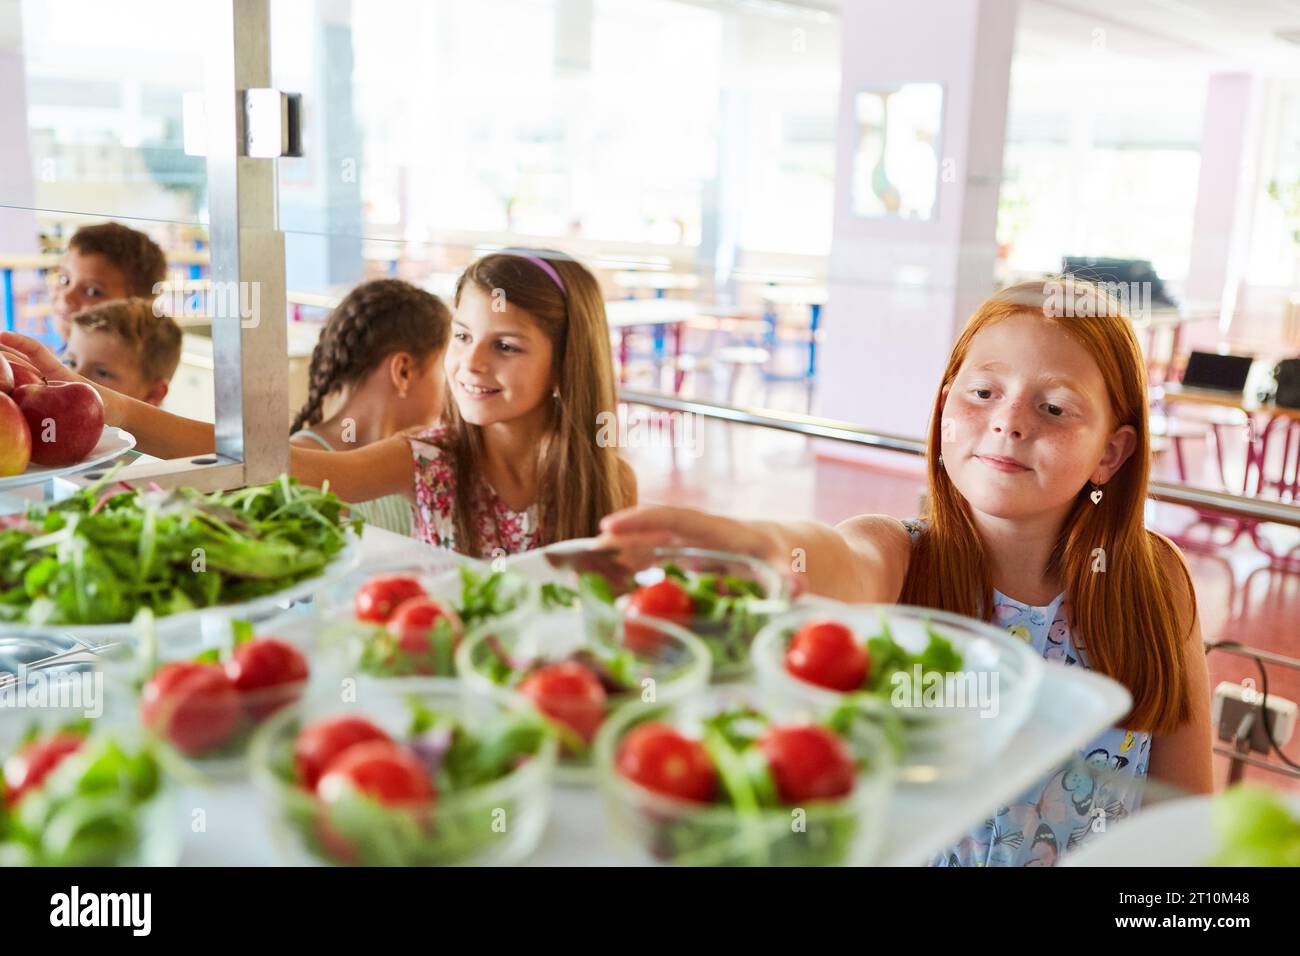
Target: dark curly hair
[127, 250]
[372, 322]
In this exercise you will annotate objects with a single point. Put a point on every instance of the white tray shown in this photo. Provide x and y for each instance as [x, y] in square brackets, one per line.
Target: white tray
[1072, 707]
[113, 442]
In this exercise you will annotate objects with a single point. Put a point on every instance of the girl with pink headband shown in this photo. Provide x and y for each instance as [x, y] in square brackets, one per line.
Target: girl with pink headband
[515, 462]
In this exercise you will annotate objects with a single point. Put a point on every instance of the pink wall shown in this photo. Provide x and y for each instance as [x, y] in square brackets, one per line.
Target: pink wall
[1221, 223]
[900, 291]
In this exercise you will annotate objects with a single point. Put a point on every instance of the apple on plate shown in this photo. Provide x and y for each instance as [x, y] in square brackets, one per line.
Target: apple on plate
[65, 419]
[15, 439]
[20, 371]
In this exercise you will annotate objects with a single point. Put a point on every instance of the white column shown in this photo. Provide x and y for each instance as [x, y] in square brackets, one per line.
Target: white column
[899, 291]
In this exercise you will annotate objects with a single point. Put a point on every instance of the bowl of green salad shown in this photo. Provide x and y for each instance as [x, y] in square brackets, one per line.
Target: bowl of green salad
[88, 564]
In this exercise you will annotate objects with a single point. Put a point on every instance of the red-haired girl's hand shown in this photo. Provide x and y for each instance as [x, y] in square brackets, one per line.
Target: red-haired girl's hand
[658, 526]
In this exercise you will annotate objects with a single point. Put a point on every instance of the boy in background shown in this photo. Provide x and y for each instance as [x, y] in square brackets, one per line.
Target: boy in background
[104, 262]
[126, 347]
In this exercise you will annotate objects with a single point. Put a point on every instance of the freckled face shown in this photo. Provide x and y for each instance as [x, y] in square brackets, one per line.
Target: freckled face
[1026, 421]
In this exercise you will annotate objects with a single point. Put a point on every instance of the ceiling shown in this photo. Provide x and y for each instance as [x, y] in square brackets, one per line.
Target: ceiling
[1201, 34]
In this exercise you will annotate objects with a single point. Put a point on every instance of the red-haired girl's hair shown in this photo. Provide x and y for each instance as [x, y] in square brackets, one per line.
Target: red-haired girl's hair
[1125, 619]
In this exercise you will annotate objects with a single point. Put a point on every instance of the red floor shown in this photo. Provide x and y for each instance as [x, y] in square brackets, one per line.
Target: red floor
[751, 472]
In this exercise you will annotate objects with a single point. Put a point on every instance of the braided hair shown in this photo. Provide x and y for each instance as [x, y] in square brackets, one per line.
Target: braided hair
[372, 322]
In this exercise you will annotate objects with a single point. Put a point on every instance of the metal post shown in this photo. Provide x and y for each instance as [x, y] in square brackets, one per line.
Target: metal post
[249, 333]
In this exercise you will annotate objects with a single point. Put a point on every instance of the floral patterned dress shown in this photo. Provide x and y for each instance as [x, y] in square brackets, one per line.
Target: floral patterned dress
[1078, 799]
[501, 531]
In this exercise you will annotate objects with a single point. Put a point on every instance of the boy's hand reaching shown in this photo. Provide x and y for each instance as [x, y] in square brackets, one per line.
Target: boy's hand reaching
[27, 351]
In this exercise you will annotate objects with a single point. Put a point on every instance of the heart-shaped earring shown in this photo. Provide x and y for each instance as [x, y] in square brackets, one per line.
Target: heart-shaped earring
[1096, 495]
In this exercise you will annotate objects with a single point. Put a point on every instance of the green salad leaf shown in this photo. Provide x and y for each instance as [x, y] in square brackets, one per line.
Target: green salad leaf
[100, 556]
[888, 658]
[1255, 828]
[557, 595]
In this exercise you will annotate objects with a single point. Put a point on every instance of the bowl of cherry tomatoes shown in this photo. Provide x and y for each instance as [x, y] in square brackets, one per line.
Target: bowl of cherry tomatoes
[203, 694]
[576, 677]
[414, 773]
[952, 690]
[727, 778]
[408, 619]
[723, 599]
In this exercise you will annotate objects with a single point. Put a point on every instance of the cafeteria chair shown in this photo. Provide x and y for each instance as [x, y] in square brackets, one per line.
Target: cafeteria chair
[736, 359]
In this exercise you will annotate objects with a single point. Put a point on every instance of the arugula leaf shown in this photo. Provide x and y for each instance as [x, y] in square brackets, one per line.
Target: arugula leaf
[596, 586]
[557, 595]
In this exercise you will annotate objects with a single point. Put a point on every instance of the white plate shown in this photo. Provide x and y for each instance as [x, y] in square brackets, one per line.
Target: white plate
[112, 443]
[102, 635]
[1176, 833]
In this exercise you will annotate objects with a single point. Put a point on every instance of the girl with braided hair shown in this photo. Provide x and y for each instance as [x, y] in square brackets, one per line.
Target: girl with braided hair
[380, 359]
[517, 460]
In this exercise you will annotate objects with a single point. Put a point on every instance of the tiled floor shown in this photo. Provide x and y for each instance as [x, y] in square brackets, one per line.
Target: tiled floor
[751, 472]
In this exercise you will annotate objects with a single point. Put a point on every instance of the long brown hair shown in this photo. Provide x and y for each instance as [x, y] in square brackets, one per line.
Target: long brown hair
[374, 320]
[580, 480]
[1124, 619]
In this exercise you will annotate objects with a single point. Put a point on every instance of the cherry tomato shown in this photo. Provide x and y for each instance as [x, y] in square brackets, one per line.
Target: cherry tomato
[827, 654]
[808, 762]
[387, 771]
[666, 600]
[193, 705]
[26, 769]
[318, 745]
[660, 758]
[379, 597]
[569, 693]
[413, 622]
[262, 664]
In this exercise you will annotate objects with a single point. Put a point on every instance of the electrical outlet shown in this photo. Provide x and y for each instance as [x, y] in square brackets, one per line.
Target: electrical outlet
[1233, 701]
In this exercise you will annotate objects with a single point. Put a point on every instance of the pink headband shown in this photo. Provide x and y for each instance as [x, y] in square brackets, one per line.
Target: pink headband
[541, 264]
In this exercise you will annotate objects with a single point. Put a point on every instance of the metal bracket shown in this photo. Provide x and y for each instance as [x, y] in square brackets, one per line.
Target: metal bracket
[272, 123]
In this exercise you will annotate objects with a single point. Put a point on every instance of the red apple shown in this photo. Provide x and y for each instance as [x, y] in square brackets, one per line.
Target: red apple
[6, 376]
[15, 439]
[65, 418]
[24, 375]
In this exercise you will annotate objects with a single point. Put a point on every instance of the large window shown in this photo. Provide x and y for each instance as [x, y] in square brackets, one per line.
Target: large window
[1102, 163]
